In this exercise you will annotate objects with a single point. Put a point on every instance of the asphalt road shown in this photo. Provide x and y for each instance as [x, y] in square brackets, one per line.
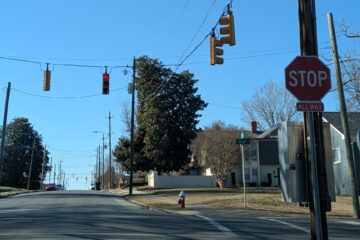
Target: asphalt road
[95, 215]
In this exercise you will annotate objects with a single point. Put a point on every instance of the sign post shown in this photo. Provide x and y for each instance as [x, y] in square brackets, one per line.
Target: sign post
[308, 79]
[243, 141]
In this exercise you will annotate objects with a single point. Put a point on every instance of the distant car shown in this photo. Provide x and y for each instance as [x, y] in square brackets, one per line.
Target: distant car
[50, 187]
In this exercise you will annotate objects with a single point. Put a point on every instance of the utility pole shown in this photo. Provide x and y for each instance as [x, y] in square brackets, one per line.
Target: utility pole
[55, 174]
[59, 175]
[63, 180]
[50, 171]
[42, 169]
[110, 153]
[103, 163]
[132, 129]
[243, 173]
[4, 128]
[31, 163]
[314, 146]
[344, 118]
[98, 153]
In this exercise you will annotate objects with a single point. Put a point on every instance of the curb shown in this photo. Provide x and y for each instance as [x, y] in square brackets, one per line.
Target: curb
[188, 212]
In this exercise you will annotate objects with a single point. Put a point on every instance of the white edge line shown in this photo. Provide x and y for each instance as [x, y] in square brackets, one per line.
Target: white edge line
[288, 224]
[222, 228]
[349, 222]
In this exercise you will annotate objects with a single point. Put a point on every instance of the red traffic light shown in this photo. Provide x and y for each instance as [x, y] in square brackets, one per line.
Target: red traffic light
[106, 77]
[106, 83]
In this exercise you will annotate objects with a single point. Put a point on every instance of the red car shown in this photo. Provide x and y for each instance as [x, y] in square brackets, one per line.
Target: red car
[50, 187]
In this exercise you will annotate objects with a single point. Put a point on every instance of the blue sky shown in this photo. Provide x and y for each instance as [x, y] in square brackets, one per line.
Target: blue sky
[112, 32]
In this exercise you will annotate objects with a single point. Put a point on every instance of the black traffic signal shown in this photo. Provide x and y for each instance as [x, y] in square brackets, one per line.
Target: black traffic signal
[106, 82]
[47, 76]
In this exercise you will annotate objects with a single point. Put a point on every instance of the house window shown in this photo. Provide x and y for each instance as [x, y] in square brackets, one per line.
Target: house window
[336, 155]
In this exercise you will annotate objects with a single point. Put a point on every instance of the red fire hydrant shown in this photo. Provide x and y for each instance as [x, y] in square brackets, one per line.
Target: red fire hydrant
[181, 200]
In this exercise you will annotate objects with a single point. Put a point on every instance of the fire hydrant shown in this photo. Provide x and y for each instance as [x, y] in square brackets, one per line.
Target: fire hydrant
[181, 200]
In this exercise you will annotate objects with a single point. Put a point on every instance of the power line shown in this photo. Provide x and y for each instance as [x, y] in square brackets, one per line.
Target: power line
[182, 60]
[70, 97]
[198, 30]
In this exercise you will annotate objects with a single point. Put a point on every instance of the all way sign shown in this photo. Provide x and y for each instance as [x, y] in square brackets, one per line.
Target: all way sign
[310, 106]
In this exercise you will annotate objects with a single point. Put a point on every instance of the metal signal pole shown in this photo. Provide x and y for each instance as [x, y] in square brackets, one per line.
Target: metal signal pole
[318, 194]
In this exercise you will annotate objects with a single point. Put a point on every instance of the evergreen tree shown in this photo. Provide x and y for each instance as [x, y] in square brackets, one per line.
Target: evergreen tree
[19, 140]
[167, 115]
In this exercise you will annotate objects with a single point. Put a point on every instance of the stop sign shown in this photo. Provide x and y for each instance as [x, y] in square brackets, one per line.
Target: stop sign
[307, 78]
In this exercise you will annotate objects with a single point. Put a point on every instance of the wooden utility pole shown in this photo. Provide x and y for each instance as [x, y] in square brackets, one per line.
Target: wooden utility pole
[99, 167]
[31, 163]
[50, 172]
[132, 129]
[42, 169]
[243, 173]
[344, 119]
[4, 128]
[110, 153]
[55, 175]
[314, 142]
[103, 162]
[59, 175]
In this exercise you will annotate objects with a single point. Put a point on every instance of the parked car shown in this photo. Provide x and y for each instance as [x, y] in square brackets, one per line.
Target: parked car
[50, 187]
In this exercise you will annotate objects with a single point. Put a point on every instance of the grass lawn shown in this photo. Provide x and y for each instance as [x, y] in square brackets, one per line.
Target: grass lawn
[256, 198]
[8, 191]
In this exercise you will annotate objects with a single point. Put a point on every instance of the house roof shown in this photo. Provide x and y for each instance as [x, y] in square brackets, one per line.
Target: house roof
[334, 118]
[270, 133]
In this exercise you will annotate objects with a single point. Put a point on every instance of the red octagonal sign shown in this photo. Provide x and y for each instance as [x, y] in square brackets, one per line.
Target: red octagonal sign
[307, 78]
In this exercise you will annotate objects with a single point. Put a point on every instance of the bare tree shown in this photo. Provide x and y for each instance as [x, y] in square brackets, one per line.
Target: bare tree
[216, 148]
[345, 29]
[351, 68]
[270, 105]
[351, 79]
[126, 117]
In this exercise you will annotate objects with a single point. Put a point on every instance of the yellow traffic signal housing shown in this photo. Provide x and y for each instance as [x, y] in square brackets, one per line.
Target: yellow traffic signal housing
[227, 28]
[215, 52]
[47, 76]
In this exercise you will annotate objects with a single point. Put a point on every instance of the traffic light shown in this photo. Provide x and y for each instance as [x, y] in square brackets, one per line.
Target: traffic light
[47, 76]
[227, 28]
[106, 80]
[215, 52]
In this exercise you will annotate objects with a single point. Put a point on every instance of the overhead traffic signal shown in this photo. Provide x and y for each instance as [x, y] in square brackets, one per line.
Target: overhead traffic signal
[47, 76]
[215, 52]
[227, 29]
[106, 81]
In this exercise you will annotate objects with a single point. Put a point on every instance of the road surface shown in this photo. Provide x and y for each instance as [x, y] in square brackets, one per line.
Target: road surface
[97, 215]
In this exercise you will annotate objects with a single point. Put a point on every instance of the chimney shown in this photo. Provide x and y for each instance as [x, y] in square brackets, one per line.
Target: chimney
[253, 126]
